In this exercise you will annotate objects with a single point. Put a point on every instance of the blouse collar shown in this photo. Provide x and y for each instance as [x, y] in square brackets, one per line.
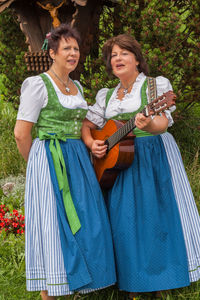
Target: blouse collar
[139, 79]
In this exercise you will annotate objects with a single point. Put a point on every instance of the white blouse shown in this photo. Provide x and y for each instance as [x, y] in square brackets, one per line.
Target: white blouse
[98, 113]
[34, 97]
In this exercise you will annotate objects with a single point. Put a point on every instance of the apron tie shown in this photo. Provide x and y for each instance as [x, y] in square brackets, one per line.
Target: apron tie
[61, 174]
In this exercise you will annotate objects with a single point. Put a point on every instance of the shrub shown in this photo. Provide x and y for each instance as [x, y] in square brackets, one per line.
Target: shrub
[11, 161]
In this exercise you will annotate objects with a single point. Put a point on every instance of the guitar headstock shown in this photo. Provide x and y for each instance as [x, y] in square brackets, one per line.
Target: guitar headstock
[160, 104]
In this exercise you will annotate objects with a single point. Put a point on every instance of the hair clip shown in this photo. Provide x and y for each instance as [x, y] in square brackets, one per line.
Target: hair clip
[45, 44]
[48, 35]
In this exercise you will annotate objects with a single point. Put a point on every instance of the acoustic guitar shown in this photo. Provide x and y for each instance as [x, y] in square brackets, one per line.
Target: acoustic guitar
[119, 138]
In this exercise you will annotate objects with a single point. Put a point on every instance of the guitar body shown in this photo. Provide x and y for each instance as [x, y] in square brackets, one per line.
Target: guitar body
[118, 135]
[118, 158]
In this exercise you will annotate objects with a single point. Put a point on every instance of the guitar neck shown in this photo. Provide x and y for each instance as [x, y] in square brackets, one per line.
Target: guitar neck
[120, 133]
[157, 106]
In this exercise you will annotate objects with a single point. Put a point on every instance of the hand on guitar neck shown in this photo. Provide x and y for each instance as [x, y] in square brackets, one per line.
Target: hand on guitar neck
[155, 125]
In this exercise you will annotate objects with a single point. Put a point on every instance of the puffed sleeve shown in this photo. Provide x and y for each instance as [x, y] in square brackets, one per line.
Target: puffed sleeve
[33, 98]
[96, 112]
[163, 85]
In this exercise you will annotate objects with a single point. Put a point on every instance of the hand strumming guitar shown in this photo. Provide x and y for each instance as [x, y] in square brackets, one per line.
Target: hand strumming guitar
[98, 148]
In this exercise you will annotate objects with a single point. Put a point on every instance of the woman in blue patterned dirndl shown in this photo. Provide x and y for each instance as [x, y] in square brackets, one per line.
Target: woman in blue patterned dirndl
[154, 219]
[68, 237]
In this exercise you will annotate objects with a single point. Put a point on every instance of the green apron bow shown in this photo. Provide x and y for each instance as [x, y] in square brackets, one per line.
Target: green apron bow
[61, 173]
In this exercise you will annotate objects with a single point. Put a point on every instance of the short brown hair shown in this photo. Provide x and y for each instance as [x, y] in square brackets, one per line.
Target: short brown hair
[124, 41]
[56, 34]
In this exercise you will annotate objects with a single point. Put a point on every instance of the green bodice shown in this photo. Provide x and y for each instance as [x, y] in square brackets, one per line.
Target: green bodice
[128, 116]
[57, 123]
[54, 118]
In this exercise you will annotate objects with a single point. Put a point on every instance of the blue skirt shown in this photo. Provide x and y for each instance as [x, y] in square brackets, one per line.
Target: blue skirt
[57, 260]
[148, 239]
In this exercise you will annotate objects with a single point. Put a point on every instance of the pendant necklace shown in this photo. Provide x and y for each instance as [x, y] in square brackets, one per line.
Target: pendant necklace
[65, 84]
[125, 90]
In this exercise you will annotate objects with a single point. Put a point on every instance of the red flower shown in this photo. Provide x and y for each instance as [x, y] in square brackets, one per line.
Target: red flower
[15, 212]
[11, 222]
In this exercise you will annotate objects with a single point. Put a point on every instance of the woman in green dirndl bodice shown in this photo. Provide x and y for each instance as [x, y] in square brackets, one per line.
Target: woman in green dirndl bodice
[154, 219]
[68, 238]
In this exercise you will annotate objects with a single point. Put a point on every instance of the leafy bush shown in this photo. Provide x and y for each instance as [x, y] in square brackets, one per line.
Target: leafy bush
[12, 48]
[12, 191]
[186, 131]
[11, 161]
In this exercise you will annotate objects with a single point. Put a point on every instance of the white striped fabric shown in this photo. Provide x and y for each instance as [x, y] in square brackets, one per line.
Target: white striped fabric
[186, 204]
[44, 259]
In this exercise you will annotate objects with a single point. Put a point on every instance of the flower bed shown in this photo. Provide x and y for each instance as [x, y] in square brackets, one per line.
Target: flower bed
[11, 222]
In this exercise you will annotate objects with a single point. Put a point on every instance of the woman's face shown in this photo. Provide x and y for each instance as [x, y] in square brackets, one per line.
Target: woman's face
[67, 55]
[123, 62]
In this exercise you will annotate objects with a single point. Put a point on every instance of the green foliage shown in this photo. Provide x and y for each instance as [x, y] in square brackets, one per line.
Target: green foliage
[11, 161]
[169, 33]
[12, 66]
[94, 76]
[11, 265]
[3, 89]
[13, 196]
[186, 132]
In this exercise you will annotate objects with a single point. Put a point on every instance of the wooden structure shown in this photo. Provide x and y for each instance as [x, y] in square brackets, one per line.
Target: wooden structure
[38, 17]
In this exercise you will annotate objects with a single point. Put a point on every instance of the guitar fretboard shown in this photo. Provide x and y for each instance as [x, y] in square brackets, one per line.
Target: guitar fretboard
[123, 131]
[120, 133]
[158, 105]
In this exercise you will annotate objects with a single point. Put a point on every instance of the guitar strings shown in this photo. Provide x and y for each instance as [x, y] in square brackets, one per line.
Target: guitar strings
[121, 132]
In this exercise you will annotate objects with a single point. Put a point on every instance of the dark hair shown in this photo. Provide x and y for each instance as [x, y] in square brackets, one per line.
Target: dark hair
[65, 31]
[124, 41]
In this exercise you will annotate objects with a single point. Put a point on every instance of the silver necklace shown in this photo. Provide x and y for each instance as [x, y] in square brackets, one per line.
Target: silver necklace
[65, 84]
[125, 89]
